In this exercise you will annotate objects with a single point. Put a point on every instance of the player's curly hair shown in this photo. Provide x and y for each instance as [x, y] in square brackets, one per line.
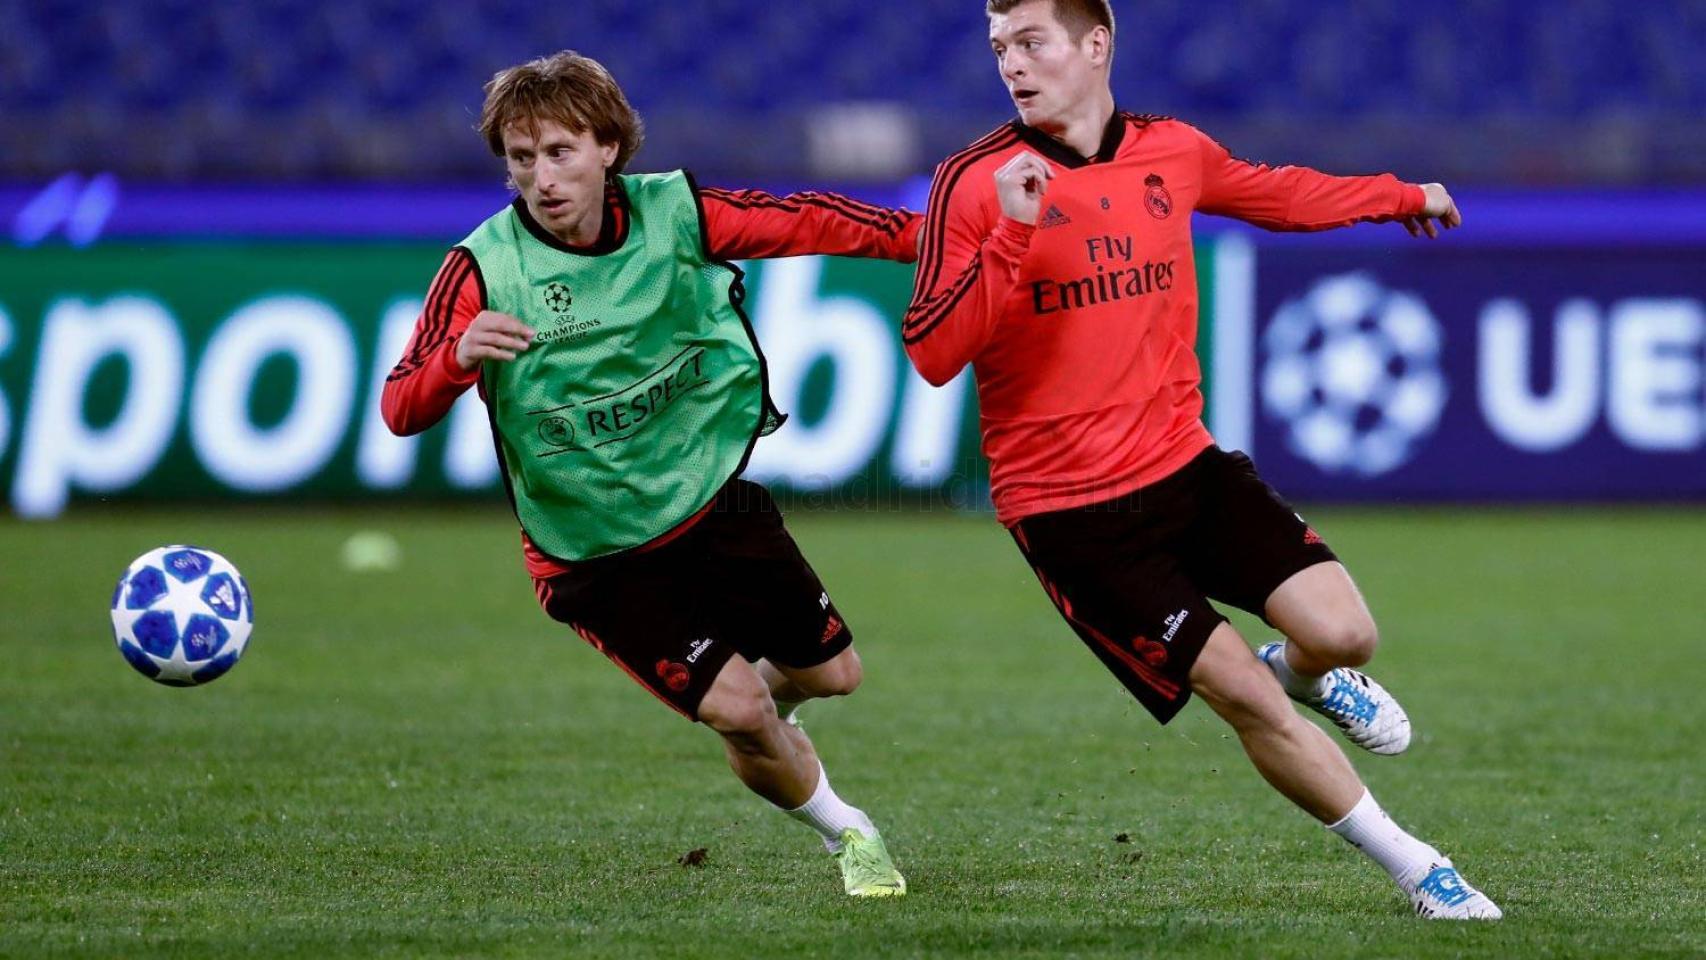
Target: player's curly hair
[568, 88]
[1077, 16]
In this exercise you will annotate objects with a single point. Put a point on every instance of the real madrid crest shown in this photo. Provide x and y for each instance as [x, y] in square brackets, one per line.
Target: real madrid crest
[1156, 199]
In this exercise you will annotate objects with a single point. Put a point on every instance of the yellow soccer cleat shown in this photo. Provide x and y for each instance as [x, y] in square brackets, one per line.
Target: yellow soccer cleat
[866, 868]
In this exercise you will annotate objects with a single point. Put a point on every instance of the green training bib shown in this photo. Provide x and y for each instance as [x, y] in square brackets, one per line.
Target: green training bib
[643, 391]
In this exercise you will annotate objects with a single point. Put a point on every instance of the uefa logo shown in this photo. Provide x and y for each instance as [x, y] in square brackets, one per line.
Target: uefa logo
[1353, 371]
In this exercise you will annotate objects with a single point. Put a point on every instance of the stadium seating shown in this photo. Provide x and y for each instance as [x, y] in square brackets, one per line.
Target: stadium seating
[318, 89]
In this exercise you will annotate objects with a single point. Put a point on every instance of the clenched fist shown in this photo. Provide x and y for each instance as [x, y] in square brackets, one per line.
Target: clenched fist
[1020, 185]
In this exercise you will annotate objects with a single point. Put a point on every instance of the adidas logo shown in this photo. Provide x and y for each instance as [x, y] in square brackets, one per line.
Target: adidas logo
[1053, 218]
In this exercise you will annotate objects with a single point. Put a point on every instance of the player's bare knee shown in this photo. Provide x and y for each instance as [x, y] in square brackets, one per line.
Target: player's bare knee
[836, 678]
[844, 676]
[837, 683]
[1352, 641]
[1343, 642]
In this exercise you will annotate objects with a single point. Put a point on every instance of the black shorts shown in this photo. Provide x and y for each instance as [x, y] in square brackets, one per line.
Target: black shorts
[1134, 575]
[673, 615]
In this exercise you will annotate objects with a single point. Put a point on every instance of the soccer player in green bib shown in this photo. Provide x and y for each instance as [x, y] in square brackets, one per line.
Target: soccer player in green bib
[601, 317]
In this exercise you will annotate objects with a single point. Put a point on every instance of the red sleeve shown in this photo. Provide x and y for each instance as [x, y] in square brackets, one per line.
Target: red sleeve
[752, 224]
[967, 269]
[1298, 198]
[427, 380]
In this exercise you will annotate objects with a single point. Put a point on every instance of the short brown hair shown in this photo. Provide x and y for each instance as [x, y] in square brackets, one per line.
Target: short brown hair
[568, 88]
[1077, 16]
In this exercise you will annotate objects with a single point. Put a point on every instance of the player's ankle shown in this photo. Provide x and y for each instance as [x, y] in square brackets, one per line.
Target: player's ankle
[1368, 828]
[828, 814]
[1296, 682]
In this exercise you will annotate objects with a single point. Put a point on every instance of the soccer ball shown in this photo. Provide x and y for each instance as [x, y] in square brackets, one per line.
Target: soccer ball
[1353, 371]
[182, 615]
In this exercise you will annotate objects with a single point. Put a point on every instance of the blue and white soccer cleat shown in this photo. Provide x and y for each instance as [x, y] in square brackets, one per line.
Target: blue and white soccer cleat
[1438, 892]
[1369, 716]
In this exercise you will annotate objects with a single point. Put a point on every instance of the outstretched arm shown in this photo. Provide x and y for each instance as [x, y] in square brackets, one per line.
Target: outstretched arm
[968, 267]
[751, 224]
[1302, 199]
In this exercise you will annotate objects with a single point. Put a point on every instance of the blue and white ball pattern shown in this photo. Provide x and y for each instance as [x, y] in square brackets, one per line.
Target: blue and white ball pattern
[182, 615]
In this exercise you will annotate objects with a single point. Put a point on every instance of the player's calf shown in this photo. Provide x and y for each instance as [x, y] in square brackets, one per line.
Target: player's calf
[739, 715]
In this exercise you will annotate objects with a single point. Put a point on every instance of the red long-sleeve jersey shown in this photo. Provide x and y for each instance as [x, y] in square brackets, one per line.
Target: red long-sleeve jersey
[1081, 328]
[738, 225]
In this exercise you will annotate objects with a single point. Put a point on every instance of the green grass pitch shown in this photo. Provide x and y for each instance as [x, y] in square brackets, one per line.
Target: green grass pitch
[417, 763]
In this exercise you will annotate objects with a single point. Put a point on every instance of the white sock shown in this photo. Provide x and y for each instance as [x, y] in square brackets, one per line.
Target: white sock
[786, 708]
[1370, 830]
[1296, 684]
[828, 814]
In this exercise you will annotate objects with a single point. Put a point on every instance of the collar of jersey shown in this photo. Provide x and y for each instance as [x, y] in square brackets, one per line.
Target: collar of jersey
[1066, 156]
[611, 235]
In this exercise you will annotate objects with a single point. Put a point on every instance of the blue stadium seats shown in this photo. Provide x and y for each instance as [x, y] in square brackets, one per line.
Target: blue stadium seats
[282, 89]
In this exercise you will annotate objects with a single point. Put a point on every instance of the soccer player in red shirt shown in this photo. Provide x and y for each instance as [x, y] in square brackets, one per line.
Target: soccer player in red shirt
[718, 615]
[1056, 260]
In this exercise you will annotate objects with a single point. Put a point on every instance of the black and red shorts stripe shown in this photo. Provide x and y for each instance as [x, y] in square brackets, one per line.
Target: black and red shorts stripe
[734, 583]
[1134, 575]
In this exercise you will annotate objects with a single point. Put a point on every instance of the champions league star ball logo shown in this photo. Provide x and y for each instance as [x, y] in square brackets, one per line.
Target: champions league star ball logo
[1353, 370]
[557, 298]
